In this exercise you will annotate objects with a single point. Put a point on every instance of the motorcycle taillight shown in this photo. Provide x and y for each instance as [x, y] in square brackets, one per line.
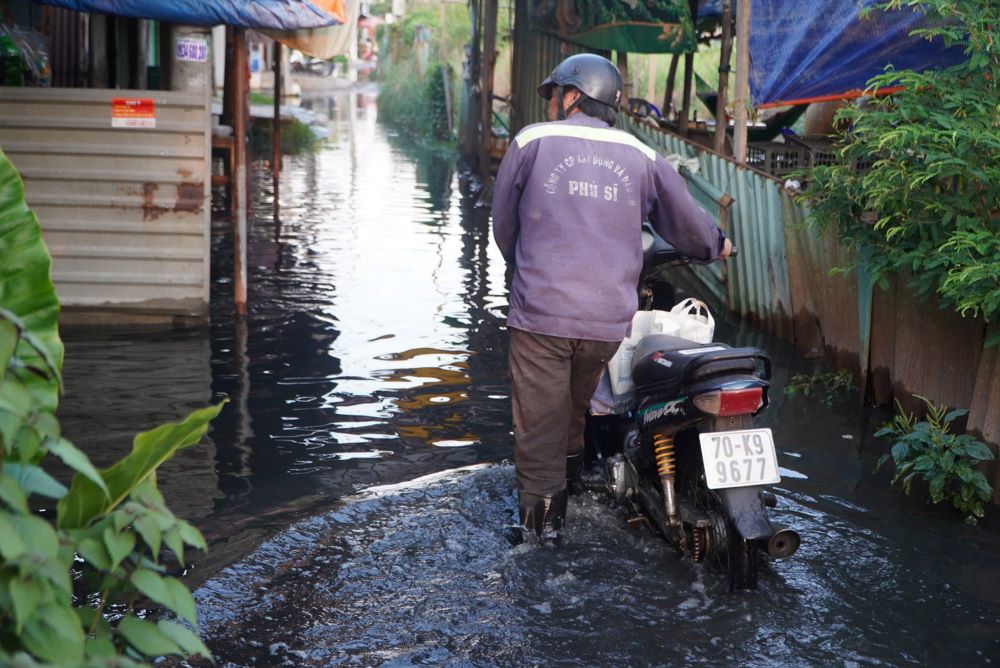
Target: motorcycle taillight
[731, 402]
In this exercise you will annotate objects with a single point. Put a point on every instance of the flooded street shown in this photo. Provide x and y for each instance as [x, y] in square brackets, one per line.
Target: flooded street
[354, 492]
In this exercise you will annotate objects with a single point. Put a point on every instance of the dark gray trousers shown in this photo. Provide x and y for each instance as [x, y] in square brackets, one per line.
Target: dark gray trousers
[552, 379]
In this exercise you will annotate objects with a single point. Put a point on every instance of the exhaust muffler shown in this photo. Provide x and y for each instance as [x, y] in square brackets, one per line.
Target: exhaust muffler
[783, 543]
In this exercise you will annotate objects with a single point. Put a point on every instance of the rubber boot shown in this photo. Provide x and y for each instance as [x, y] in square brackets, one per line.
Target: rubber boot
[542, 517]
[574, 474]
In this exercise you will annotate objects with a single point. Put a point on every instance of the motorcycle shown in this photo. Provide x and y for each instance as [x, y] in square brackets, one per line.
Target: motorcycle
[303, 64]
[679, 447]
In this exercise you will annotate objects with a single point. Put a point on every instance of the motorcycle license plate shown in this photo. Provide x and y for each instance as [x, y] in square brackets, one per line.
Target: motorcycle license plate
[739, 458]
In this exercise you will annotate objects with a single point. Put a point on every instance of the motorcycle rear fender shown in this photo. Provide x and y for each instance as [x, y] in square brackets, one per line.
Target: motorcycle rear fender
[745, 507]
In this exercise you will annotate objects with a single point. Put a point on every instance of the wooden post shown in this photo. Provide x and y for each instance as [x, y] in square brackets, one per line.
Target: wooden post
[522, 58]
[138, 54]
[651, 78]
[486, 85]
[97, 70]
[228, 87]
[448, 109]
[682, 123]
[721, 123]
[668, 96]
[622, 57]
[276, 129]
[443, 43]
[238, 179]
[742, 81]
[468, 129]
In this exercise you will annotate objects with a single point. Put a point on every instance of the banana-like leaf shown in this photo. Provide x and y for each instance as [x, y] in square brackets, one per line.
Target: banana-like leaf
[26, 287]
[85, 500]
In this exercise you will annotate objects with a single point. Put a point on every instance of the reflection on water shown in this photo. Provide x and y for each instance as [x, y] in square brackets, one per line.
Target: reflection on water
[373, 354]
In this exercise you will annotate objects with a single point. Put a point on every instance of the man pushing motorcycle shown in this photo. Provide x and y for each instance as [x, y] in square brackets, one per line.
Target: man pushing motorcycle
[568, 205]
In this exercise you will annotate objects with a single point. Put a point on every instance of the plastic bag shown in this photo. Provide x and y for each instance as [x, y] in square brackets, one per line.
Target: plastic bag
[695, 320]
[12, 65]
[24, 57]
[689, 319]
[36, 56]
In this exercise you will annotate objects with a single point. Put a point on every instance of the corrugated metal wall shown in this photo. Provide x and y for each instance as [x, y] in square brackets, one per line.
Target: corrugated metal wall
[783, 279]
[69, 47]
[984, 417]
[757, 282]
[535, 56]
[824, 305]
[124, 211]
[935, 353]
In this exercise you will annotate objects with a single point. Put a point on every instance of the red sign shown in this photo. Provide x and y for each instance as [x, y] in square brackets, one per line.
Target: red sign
[133, 112]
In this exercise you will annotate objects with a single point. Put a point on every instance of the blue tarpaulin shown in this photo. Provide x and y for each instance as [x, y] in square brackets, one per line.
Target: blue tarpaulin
[808, 50]
[257, 14]
[823, 48]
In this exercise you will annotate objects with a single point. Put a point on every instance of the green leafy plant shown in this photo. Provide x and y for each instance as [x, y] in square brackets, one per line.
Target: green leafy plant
[297, 138]
[928, 204]
[415, 104]
[103, 546]
[823, 384]
[415, 99]
[927, 450]
[260, 97]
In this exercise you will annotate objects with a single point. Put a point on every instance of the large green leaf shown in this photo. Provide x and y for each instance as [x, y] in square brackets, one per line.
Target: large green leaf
[26, 286]
[119, 545]
[172, 539]
[8, 342]
[168, 592]
[12, 494]
[74, 458]
[145, 637]
[147, 527]
[85, 500]
[183, 636]
[11, 545]
[37, 534]
[55, 635]
[35, 480]
[27, 594]
[191, 535]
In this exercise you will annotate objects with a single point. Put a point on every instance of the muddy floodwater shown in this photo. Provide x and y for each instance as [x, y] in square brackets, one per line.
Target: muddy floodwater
[355, 490]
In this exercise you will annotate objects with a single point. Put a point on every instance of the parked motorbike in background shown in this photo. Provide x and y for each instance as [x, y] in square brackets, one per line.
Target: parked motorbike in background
[672, 421]
[301, 63]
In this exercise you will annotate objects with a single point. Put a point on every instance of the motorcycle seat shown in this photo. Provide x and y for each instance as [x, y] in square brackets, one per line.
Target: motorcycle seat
[664, 360]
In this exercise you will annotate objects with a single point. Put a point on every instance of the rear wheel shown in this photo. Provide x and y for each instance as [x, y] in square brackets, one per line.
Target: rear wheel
[722, 543]
[323, 68]
[743, 561]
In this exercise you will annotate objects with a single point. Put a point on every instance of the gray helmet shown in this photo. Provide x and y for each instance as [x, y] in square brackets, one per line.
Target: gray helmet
[594, 76]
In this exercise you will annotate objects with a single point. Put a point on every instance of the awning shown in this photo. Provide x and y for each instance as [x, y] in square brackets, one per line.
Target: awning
[823, 49]
[663, 26]
[325, 42]
[257, 14]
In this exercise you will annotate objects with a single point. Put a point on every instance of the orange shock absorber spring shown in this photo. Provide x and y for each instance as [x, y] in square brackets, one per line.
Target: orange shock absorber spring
[663, 448]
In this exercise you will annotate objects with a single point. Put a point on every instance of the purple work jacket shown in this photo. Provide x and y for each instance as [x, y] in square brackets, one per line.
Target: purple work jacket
[568, 206]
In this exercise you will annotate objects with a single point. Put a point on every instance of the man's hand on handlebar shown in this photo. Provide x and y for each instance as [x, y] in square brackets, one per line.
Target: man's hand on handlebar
[728, 250]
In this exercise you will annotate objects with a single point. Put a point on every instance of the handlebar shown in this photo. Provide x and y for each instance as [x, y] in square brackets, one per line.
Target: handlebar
[657, 251]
